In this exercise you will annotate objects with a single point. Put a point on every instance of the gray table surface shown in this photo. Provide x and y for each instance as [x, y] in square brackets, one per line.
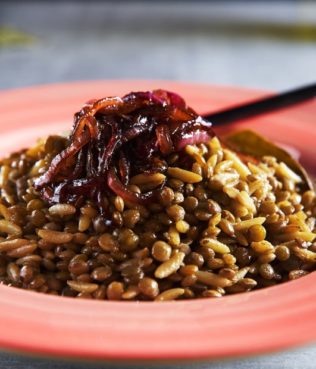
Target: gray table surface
[235, 43]
[303, 358]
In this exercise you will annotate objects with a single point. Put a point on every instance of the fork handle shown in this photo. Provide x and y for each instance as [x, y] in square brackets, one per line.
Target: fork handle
[262, 105]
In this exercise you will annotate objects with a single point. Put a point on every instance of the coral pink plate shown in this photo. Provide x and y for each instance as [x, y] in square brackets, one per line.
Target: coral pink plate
[257, 322]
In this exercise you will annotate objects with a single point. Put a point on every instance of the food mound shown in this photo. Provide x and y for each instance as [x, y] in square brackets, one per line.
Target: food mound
[144, 202]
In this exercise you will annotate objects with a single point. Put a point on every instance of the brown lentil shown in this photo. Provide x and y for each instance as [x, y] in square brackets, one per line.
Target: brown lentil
[195, 258]
[282, 253]
[257, 233]
[224, 227]
[190, 203]
[189, 269]
[176, 212]
[78, 264]
[211, 293]
[148, 287]
[166, 196]
[115, 291]
[119, 204]
[101, 273]
[130, 218]
[266, 271]
[189, 280]
[161, 251]
[107, 242]
[128, 240]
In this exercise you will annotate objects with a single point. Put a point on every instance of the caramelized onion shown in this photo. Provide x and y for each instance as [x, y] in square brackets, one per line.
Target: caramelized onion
[114, 138]
[121, 190]
[192, 138]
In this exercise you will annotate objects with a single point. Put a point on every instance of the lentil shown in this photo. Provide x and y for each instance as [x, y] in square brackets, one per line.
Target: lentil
[226, 226]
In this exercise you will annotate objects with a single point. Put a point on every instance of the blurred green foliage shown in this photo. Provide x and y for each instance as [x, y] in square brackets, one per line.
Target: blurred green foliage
[291, 32]
[11, 37]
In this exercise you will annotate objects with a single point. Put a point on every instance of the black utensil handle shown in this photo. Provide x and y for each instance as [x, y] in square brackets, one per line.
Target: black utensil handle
[263, 105]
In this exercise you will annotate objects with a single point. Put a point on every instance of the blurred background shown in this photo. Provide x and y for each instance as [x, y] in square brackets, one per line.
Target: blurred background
[261, 44]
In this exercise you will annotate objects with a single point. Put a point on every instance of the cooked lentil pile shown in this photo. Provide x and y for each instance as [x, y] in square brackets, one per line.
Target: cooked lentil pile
[218, 225]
